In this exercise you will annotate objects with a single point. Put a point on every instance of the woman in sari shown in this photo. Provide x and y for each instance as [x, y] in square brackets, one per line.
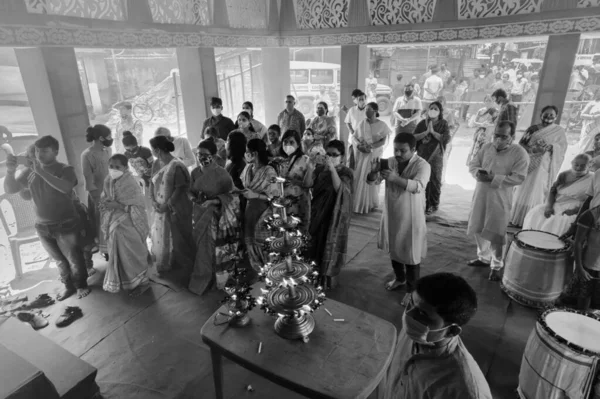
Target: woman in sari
[323, 126]
[595, 154]
[171, 230]
[310, 146]
[546, 144]
[216, 220]
[248, 107]
[125, 228]
[369, 137]
[566, 196]
[433, 136]
[258, 179]
[244, 125]
[296, 168]
[331, 210]
[274, 134]
[591, 123]
[484, 120]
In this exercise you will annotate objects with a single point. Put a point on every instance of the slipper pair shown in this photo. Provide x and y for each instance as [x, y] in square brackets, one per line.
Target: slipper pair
[69, 315]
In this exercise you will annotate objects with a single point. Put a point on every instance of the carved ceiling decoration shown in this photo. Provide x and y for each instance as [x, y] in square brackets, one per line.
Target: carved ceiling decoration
[19, 35]
[247, 14]
[393, 12]
[588, 3]
[321, 14]
[97, 9]
[193, 12]
[474, 9]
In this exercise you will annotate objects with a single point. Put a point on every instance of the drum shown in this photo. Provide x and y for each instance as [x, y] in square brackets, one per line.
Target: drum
[561, 357]
[536, 268]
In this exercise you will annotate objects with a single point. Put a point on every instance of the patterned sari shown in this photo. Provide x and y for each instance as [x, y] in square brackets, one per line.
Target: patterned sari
[255, 232]
[324, 126]
[216, 227]
[171, 232]
[294, 168]
[125, 232]
[591, 127]
[330, 220]
[543, 168]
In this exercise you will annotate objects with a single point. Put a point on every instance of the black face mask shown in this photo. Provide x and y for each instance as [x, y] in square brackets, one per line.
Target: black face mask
[408, 93]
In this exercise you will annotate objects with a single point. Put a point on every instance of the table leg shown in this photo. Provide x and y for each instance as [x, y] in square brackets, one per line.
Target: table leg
[217, 365]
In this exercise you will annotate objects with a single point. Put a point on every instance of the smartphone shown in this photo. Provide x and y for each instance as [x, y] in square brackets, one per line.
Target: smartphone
[483, 171]
[384, 164]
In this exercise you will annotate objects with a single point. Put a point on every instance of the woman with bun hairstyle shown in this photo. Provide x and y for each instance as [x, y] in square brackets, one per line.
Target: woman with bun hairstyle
[171, 228]
[94, 162]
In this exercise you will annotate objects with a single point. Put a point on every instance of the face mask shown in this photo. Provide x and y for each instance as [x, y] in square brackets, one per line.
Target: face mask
[205, 160]
[336, 160]
[243, 125]
[408, 93]
[249, 158]
[289, 149]
[420, 333]
[115, 174]
[216, 111]
[433, 113]
[482, 76]
[320, 112]
[107, 143]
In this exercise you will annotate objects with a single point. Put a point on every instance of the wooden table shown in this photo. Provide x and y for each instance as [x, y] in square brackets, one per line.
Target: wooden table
[342, 359]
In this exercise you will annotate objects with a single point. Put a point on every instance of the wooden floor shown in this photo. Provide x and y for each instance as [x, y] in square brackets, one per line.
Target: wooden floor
[150, 347]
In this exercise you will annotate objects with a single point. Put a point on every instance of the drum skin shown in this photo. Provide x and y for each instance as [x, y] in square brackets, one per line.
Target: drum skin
[534, 277]
[554, 367]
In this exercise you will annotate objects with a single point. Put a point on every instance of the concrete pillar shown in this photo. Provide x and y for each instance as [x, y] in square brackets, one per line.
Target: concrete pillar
[561, 51]
[354, 72]
[276, 81]
[287, 16]
[53, 87]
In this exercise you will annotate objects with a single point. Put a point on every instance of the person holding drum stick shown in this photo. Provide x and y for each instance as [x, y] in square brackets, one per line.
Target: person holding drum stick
[430, 359]
[498, 167]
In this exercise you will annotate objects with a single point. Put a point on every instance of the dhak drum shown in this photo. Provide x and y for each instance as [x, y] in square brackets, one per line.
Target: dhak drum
[562, 357]
[536, 268]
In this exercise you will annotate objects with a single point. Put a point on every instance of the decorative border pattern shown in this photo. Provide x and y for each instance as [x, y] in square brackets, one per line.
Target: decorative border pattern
[19, 35]
[247, 14]
[588, 3]
[98, 9]
[474, 9]
[321, 14]
[394, 12]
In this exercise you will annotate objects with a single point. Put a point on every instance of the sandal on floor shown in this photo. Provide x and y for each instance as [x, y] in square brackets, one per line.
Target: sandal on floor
[35, 320]
[388, 286]
[69, 315]
[41, 301]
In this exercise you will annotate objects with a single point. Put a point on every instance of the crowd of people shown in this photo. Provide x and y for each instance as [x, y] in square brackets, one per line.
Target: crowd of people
[202, 209]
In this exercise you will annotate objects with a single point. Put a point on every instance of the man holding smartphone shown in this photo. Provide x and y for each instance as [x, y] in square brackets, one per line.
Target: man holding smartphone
[498, 167]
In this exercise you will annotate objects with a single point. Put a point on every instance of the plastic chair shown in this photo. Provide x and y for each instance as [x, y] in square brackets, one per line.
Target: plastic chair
[24, 232]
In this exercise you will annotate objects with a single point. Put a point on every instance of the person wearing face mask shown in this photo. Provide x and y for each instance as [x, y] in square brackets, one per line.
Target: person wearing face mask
[498, 168]
[214, 205]
[244, 125]
[407, 111]
[140, 158]
[298, 170]
[403, 231]
[507, 111]
[503, 83]
[433, 136]
[219, 121]
[310, 146]
[590, 114]
[546, 144]
[290, 118]
[183, 149]
[564, 200]
[484, 121]
[94, 162]
[331, 211]
[369, 138]
[260, 128]
[323, 125]
[430, 359]
[258, 180]
[221, 156]
[519, 88]
[355, 115]
[127, 123]
[171, 227]
[125, 226]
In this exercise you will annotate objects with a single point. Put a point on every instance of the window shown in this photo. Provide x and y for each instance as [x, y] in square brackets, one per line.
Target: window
[299, 76]
[321, 76]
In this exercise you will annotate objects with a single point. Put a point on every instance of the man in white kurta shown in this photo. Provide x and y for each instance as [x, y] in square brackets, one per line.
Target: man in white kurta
[355, 115]
[403, 231]
[498, 167]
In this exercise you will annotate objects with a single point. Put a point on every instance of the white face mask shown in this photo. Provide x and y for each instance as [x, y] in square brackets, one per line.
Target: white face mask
[336, 160]
[289, 149]
[433, 113]
[249, 158]
[216, 111]
[115, 174]
[420, 333]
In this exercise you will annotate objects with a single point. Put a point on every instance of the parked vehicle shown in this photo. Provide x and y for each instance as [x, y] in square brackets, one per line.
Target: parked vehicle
[309, 78]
